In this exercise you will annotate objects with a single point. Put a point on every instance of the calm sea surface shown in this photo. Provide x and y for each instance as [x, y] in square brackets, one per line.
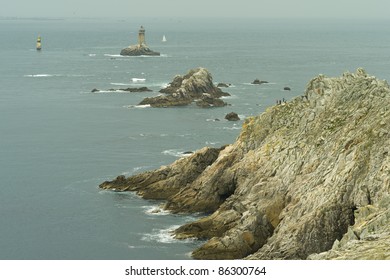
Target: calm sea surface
[59, 141]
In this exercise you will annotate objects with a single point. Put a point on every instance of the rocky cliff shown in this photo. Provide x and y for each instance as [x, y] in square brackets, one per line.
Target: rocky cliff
[197, 85]
[306, 179]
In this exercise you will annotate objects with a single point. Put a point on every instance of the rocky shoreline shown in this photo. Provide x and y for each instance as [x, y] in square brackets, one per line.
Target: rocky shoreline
[308, 179]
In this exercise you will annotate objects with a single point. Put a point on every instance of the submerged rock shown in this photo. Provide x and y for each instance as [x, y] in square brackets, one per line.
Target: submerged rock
[309, 179]
[197, 85]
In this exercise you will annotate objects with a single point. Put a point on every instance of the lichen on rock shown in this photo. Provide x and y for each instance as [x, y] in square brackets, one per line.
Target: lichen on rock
[306, 179]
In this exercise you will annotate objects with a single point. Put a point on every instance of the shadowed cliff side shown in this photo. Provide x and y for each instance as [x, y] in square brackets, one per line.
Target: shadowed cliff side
[308, 176]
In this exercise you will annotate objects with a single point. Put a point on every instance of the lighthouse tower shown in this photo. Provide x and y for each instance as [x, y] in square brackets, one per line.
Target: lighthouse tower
[141, 37]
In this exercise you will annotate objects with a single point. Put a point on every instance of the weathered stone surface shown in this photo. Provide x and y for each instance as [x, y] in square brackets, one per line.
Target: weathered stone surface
[306, 179]
[197, 85]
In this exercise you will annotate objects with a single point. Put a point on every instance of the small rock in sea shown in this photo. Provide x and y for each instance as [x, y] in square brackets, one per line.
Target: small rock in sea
[232, 117]
[259, 82]
[224, 85]
[95, 90]
[287, 88]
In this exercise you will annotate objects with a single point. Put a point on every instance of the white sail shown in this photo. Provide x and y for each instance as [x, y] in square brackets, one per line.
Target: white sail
[164, 39]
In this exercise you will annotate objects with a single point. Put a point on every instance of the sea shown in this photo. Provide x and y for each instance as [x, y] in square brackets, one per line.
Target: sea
[59, 141]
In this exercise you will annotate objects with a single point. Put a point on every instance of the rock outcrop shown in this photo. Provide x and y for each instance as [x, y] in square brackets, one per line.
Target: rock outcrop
[140, 89]
[306, 179]
[259, 82]
[197, 85]
[232, 116]
[138, 50]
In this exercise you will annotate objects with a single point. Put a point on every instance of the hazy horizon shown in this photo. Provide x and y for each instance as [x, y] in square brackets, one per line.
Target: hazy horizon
[338, 9]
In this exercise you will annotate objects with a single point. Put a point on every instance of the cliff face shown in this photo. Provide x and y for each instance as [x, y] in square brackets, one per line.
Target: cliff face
[305, 177]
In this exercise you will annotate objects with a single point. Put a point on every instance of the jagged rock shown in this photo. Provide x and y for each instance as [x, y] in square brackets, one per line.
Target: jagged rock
[309, 179]
[232, 117]
[197, 85]
[259, 82]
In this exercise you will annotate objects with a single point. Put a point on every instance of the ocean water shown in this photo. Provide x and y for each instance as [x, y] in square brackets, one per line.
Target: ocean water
[59, 141]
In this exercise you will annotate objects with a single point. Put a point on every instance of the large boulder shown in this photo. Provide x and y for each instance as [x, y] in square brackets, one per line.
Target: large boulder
[197, 85]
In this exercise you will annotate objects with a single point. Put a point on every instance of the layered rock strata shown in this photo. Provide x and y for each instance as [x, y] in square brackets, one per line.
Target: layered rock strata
[196, 86]
[306, 179]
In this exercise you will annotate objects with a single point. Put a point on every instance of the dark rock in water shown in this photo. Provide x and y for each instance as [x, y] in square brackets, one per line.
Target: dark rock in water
[259, 82]
[232, 117]
[287, 88]
[197, 85]
[223, 85]
[138, 51]
[141, 89]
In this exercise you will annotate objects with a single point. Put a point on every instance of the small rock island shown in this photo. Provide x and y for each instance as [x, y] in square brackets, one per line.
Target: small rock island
[141, 48]
[195, 86]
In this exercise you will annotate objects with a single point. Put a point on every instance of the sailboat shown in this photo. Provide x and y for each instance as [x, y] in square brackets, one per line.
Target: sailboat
[39, 44]
[164, 39]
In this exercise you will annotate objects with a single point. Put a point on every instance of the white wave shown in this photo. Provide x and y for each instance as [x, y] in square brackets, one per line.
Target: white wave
[232, 128]
[137, 106]
[176, 153]
[142, 106]
[138, 80]
[92, 54]
[164, 236]
[155, 210]
[42, 75]
[113, 55]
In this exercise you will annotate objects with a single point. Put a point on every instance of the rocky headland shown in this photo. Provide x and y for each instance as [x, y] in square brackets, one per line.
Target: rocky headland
[308, 179]
[196, 86]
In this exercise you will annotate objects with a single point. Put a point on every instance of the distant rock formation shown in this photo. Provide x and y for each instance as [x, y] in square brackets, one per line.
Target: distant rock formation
[197, 85]
[225, 85]
[259, 82]
[286, 88]
[141, 89]
[309, 179]
[141, 48]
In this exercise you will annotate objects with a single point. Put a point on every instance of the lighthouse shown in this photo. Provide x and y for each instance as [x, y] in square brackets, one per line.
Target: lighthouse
[141, 48]
[141, 36]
